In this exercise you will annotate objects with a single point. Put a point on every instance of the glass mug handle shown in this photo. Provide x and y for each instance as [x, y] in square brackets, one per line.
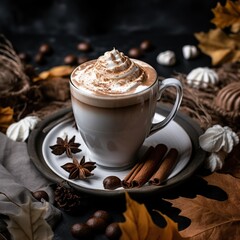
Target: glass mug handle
[169, 82]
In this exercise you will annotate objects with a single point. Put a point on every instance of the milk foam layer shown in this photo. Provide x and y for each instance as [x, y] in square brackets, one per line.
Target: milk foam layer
[113, 73]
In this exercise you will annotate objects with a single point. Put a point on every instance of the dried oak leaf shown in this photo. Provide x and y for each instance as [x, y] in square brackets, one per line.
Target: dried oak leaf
[58, 71]
[29, 223]
[6, 118]
[139, 224]
[63, 146]
[222, 48]
[227, 15]
[213, 219]
[79, 170]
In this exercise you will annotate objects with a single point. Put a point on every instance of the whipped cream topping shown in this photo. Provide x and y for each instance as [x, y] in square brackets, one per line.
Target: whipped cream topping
[111, 73]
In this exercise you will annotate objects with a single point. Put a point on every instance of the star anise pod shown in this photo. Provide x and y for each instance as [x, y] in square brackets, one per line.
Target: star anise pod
[69, 147]
[79, 170]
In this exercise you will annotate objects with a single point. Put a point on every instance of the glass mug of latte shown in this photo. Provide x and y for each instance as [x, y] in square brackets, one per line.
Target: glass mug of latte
[114, 99]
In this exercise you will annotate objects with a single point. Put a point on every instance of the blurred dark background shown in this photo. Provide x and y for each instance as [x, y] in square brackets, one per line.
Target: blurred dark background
[88, 17]
[107, 24]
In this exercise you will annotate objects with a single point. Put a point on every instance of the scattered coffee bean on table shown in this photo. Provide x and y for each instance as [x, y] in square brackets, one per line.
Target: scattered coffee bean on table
[113, 231]
[146, 45]
[135, 52]
[39, 58]
[24, 57]
[84, 47]
[70, 59]
[81, 230]
[97, 224]
[45, 49]
[102, 214]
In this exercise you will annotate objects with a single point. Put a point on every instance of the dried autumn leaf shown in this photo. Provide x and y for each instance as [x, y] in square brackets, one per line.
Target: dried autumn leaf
[6, 118]
[213, 219]
[227, 16]
[219, 46]
[29, 223]
[58, 71]
[139, 224]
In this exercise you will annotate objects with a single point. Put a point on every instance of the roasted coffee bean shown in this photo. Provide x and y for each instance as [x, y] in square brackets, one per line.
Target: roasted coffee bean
[84, 47]
[97, 224]
[40, 194]
[102, 214]
[39, 58]
[146, 45]
[112, 182]
[70, 59]
[45, 49]
[81, 230]
[135, 52]
[113, 231]
[24, 57]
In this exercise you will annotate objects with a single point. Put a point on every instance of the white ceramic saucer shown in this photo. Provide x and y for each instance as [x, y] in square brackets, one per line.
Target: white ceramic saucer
[181, 134]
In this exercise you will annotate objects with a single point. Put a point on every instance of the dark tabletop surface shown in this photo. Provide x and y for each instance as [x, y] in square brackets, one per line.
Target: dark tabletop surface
[167, 29]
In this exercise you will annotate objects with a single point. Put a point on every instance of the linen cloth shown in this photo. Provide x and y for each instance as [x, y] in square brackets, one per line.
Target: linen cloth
[19, 177]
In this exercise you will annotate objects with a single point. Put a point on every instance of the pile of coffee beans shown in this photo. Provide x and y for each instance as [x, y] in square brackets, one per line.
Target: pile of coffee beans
[100, 222]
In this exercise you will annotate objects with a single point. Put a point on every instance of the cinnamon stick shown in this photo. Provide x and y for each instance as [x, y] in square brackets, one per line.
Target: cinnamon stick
[164, 170]
[141, 173]
[127, 181]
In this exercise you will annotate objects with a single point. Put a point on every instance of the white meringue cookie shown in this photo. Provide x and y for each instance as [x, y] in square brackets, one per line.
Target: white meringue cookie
[19, 131]
[215, 161]
[189, 51]
[166, 58]
[202, 77]
[218, 138]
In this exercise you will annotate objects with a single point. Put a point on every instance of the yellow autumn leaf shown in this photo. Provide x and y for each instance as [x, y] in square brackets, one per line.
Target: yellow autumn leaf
[227, 15]
[219, 46]
[139, 224]
[58, 71]
[6, 118]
